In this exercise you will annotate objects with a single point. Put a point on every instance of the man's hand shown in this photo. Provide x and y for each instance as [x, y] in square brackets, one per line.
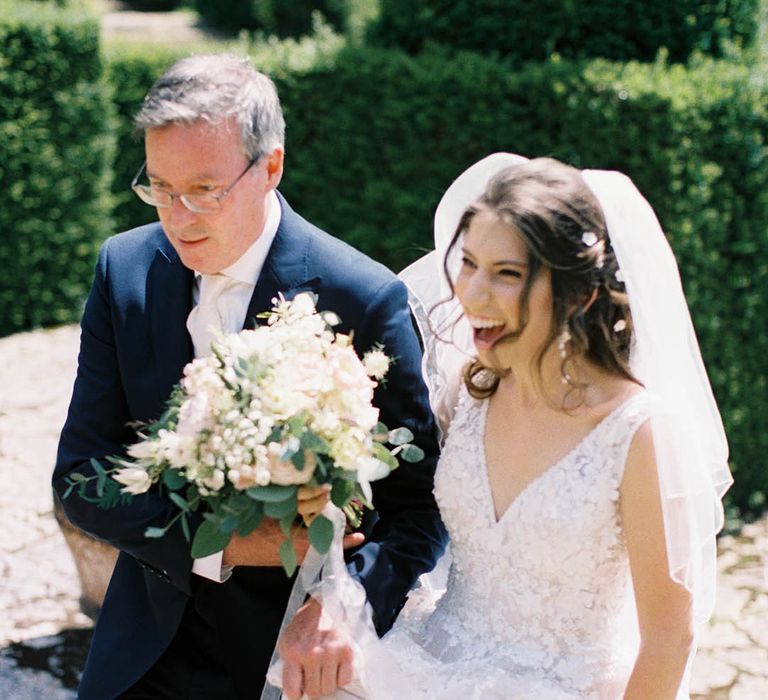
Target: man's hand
[262, 546]
[312, 500]
[317, 657]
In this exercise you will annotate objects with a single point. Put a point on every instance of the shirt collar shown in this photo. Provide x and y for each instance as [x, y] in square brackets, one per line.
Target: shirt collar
[248, 266]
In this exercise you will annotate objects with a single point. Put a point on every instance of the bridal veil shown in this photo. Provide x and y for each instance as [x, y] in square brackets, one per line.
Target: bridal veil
[689, 439]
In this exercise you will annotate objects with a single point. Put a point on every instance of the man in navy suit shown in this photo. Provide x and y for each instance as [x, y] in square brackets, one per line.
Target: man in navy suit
[170, 627]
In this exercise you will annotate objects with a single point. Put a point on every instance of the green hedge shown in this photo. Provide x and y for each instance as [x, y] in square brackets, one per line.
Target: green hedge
[132, 68]
[375, 137]
[374, 142]
[282, 18]
[55, 155]
[525, 31]
[131, 72]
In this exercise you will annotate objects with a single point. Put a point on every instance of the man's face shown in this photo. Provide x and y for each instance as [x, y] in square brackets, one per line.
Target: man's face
[206, 158]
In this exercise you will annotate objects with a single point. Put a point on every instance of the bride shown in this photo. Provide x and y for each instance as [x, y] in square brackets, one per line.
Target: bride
[584, 459]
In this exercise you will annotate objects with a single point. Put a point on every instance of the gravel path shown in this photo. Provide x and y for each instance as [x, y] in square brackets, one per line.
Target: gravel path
[43, 635]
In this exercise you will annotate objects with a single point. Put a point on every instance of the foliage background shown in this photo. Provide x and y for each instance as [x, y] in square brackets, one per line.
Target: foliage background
[56, 144]
[378, 126]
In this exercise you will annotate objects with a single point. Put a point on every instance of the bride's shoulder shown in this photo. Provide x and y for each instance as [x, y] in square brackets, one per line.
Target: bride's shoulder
[615, 395]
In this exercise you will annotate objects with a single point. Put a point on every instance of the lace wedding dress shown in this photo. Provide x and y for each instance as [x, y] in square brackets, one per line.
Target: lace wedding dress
[538, 604]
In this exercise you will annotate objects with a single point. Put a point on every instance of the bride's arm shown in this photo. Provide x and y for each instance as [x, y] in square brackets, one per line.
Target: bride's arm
[664, 607]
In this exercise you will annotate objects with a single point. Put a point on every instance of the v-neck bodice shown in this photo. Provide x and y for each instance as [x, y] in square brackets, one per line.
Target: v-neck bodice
[582, 444]
[544, 592]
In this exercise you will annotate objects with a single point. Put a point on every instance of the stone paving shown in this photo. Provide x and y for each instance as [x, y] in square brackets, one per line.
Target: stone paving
[43, 634]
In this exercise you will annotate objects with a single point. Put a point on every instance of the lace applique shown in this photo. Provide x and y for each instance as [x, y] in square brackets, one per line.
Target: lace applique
[538, 603]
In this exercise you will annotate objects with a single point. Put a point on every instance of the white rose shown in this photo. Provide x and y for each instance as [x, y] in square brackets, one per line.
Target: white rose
[347, 370]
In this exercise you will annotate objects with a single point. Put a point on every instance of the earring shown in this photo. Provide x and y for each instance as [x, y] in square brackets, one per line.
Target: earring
[562, 341]
[562, 347]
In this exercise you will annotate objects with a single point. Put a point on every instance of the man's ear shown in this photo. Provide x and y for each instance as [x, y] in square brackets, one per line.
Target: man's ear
[275, 167]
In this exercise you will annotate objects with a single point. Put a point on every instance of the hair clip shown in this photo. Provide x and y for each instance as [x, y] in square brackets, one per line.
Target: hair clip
[589, 238]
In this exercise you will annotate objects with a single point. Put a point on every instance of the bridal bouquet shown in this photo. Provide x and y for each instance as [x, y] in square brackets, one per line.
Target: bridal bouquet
[286, 404]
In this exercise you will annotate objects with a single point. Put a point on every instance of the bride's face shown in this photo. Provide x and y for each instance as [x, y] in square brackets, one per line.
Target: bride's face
[489, 287]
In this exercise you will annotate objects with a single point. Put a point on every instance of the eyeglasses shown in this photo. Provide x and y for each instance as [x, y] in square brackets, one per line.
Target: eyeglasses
[199, 203]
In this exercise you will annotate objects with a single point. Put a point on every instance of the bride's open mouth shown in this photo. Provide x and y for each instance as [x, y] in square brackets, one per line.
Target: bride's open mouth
[486, 331]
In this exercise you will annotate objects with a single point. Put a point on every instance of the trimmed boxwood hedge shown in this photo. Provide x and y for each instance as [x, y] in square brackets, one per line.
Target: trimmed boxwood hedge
[56, 138]
[376, 137]
[282, 18]
[532, 31]
[374, 142]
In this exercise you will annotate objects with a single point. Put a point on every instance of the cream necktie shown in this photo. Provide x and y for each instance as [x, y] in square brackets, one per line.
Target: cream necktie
[211, 316]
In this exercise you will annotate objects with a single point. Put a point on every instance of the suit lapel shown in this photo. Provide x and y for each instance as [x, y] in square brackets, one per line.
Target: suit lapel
[288, 268]
[169, 301]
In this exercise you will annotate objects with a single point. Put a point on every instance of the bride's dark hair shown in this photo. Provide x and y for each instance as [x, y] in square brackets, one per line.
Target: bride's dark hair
[549, 205]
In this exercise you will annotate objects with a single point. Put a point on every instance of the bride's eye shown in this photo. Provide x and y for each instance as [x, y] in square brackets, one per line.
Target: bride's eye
[508, 272]
[466, 262]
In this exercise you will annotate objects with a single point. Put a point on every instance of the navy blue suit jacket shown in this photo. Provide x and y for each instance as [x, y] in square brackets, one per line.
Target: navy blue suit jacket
[134, 345]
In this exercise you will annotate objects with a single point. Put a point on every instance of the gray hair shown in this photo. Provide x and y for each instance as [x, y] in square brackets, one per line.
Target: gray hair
[213, 88]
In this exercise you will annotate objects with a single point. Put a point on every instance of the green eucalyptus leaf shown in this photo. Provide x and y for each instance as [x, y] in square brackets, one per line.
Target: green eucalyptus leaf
[229, 524]
[173, 479]
[286, 523]
[281, 509]
[311, 441]
[297, 458]
[249, 521]
[382, 453]
[101, 482]
[179, 501]
[412, 453]
[288, 557]
[154, 533]
[272, 493]
[185, 527]
[321, 534]
[209, 539]
[97, 467]
[400, 436]
[341, 491]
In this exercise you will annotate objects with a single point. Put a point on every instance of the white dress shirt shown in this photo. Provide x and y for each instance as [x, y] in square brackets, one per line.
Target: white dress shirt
[246, 270]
